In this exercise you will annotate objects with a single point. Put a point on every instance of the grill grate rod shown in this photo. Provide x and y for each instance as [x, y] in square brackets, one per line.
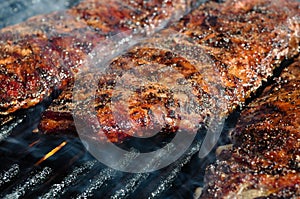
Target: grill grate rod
[107, 174]
[167, 180]
[130, 186]
[137, 179]
[57, 190]
[104, 176]
[30, 184]
[6, 130]
[9, 175]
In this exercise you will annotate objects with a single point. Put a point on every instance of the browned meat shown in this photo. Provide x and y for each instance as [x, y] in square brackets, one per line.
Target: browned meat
[265, 159]
[58, 117]
[44, 52]
[223, 51]
[6, 119]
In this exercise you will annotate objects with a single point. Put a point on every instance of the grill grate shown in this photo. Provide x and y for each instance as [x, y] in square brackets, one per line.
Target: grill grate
[60, 188]
[56, 167]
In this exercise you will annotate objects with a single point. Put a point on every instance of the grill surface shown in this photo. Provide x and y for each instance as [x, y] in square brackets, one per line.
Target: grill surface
[51, 167]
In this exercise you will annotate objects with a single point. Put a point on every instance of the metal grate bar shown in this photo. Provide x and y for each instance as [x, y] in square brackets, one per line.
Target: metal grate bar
[30, 184]
[57, 190]
[167, 180]
[6, 130]
[136, 180]
[130, 186]
[8, 175]
[106, 175]
[97, 183]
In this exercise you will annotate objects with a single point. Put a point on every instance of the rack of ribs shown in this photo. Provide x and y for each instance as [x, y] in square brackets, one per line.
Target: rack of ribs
[44, 52]
[241, 43]
[264, 161]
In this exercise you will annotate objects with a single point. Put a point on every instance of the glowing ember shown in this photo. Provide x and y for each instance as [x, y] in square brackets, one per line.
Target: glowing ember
[34, 143]
[51, 153]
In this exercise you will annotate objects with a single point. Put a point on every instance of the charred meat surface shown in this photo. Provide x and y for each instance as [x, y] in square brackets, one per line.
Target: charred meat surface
[221, 52]
[43, 53]
[265, 159]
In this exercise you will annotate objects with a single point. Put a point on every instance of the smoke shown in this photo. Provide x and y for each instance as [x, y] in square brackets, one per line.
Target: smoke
[16, 11]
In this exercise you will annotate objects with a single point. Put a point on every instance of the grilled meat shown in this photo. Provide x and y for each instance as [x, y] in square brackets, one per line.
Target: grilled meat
[265, 159]
[222, 52]
[43, 53]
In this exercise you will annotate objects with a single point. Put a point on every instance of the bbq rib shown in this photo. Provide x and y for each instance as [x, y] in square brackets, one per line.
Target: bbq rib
[265, 159]
[220, 50]
[44, 52]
